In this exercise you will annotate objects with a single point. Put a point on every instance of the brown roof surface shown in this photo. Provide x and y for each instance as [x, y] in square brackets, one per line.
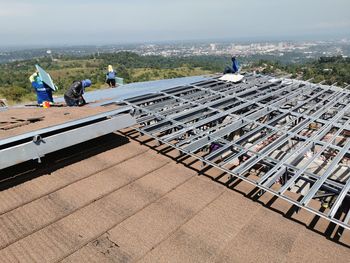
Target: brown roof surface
[113, 200]
[15, 121]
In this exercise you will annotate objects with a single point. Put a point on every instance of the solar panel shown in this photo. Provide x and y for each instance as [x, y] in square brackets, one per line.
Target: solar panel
[46, 78]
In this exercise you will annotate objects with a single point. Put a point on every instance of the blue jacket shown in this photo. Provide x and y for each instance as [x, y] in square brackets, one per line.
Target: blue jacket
[235, 66]
[43, 92]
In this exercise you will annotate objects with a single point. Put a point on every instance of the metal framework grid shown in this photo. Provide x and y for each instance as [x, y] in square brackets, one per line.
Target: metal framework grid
[280, 135]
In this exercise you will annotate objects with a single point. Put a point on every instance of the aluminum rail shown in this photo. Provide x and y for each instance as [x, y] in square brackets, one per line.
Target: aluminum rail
[304, 148]
[281, 140]
[250, 181]
[193, 117]
[326, 174]
[34, 145]
[64, 125]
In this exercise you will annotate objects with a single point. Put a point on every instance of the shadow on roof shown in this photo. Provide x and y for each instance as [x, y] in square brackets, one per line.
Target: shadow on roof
[21, 173]
[332, 231]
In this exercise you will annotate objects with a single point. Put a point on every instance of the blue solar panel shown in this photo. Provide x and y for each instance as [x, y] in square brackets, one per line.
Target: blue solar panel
[46, 78]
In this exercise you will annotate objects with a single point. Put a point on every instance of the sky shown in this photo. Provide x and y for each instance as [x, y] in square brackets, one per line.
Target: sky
[87, 22]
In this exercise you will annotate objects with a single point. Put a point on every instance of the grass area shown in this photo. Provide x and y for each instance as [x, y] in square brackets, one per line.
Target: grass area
[15, 86]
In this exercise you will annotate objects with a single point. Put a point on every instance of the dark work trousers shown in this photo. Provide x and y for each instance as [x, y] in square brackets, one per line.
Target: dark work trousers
[71, 102]
[111, 82]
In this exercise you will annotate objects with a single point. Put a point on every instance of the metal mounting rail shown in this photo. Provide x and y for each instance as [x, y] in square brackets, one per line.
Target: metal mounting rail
[36, 144]
[264, 125]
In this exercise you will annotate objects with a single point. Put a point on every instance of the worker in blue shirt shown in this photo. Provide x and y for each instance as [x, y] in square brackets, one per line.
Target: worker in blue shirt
[43, 91]
[110, 76]
[235, 66]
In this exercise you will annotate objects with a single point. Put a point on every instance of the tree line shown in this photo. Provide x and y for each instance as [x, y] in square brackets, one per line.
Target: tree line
[329, 69]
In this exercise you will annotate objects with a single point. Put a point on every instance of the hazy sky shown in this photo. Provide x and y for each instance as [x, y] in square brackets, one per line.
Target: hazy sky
[45, 22]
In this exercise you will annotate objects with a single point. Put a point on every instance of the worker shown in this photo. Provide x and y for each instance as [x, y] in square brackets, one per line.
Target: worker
[235, 66]
[74, 95]
[43, 91]
[110, 76]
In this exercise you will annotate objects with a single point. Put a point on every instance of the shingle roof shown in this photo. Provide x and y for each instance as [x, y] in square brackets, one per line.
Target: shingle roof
[129, 203]
[113, 199]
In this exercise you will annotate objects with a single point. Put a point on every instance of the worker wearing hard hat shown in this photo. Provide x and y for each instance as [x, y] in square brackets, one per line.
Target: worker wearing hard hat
[43, 91]
[74, 94]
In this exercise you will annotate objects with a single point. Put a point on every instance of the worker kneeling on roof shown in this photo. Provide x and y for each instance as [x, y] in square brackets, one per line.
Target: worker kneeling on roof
[235, 66]
[74, 95]
[43, 91]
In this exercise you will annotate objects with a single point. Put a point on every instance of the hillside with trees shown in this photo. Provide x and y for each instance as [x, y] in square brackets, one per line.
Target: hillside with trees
[15, 86]
[329, 69]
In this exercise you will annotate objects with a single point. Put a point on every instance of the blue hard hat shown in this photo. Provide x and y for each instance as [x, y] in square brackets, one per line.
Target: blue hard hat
[86, 83]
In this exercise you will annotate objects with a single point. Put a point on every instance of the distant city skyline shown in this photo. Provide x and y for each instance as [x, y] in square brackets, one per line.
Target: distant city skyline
[87, 22]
